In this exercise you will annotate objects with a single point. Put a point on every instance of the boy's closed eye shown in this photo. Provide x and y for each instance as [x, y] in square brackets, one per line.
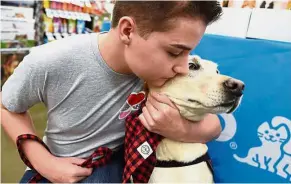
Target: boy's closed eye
[175, 54]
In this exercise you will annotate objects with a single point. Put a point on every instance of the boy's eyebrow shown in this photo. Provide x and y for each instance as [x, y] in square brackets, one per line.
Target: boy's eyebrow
[181, 46]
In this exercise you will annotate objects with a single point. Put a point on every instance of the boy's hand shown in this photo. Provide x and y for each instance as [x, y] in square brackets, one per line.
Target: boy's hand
[161, 116]
[64, 170]
[55, 169]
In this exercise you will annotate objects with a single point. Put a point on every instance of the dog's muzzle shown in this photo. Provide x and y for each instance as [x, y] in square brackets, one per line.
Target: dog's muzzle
[234, 87]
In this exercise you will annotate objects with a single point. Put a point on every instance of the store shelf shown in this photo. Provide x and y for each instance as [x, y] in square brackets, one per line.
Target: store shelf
[14, 50]
[51, 13]
[13, 19]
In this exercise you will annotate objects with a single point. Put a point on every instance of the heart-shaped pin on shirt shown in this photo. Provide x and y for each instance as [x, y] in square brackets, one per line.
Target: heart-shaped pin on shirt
[132, 104]
[134, 98]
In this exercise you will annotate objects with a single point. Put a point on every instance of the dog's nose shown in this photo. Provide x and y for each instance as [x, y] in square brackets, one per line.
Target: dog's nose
[234, 86]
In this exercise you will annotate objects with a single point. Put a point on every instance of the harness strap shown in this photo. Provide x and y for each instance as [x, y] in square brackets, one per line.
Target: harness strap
[173, 163]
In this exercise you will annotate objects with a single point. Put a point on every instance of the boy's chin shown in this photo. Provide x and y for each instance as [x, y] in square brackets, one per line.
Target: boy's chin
[157, 83]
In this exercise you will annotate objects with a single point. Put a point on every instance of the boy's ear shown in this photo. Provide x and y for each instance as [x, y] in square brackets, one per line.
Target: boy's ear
[126, 27]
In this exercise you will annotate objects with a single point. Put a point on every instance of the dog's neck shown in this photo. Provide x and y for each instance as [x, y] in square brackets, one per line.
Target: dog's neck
[197, 116]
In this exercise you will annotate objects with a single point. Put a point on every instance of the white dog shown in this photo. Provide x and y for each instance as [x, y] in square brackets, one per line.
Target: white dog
[202, 91]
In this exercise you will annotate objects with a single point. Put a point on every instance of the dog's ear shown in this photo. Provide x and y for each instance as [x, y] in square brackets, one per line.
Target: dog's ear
[191, 57]
[195, 60]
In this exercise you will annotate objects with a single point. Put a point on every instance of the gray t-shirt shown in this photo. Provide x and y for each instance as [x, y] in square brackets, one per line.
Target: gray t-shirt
[82, 94]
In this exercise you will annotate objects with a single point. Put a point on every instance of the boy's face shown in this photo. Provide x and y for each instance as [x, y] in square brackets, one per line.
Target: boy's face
[164, 54]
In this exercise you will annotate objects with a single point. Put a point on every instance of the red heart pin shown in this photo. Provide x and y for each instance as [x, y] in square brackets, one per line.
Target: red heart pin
[134, 98]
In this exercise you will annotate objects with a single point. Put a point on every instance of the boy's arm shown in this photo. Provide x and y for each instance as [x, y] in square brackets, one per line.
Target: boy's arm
[161, 116]
[53, 168]
[203, 131]
[15, 124]
[25, 88]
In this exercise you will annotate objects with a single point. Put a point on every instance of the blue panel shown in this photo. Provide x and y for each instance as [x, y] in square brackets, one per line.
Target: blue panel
[251, 155]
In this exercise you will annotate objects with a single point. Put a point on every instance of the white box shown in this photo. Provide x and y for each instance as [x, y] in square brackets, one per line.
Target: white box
[14, 34]
[8, 24]
[270, 24]
[233, 22]
[16, 12]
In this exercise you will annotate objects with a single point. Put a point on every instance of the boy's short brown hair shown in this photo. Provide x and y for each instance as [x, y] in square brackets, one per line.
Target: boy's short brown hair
[160, 16]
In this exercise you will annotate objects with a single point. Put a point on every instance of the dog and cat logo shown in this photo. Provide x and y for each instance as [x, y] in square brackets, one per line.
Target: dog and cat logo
[274, 154]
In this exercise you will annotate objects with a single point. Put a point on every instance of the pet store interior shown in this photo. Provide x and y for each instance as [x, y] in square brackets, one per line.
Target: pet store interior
[251, 41]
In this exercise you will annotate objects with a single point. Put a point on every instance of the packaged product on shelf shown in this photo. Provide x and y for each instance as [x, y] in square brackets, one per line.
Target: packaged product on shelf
[249, 4]
[101, 23]
[87, 3]
[270, 4]
[57, 24]
[96, 25]
[288, 6]
[46, 3]
[53, 5]
[70, 7]
[17, 33]
[17, 39]
[72, 26]
[95, 9]
[65, 6]
[106, 24]
[64, 27]
[48, 24]
[80, 26]
[264, 4]
[59, 6]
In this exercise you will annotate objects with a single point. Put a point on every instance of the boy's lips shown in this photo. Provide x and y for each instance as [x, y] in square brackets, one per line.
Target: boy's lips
[167, 78]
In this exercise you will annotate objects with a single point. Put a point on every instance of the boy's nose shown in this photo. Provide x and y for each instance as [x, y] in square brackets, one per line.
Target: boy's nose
[182, 68]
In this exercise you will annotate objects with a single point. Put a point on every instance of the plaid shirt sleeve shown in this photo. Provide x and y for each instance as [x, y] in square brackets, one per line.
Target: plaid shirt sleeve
[140, 146]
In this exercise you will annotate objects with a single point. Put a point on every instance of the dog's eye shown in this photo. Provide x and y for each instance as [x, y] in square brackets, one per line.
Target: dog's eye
[217, 71]
[194, 66]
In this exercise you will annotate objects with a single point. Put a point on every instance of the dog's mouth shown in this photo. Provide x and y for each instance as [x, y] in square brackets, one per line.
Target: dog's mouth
[234, 105]
[230, 105]
[225, 107]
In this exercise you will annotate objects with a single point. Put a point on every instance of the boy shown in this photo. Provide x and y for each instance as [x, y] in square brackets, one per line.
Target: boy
[84, 82]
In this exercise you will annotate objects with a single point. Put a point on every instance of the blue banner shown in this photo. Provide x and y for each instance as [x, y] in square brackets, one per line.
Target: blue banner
[255, 145]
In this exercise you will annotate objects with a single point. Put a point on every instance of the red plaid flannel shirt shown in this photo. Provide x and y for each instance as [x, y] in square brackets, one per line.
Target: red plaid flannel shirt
[140, 146]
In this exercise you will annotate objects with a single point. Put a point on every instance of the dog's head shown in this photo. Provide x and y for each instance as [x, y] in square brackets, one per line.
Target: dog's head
[204, 90]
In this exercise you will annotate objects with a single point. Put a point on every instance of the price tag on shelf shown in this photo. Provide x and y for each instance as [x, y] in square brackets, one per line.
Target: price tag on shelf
[55, 13]
[49, 13]
[61, 13]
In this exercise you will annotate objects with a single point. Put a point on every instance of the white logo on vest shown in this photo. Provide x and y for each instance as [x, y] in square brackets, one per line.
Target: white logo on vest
[145, 150]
